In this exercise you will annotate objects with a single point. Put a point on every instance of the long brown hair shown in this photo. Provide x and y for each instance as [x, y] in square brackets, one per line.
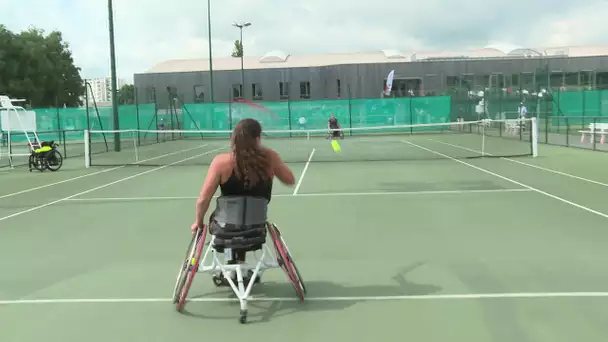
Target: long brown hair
[251, 162]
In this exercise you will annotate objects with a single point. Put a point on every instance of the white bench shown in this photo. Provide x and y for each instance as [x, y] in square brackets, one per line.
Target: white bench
[594, 129]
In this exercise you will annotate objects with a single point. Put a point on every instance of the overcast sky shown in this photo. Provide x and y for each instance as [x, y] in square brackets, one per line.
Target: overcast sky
[150, 31]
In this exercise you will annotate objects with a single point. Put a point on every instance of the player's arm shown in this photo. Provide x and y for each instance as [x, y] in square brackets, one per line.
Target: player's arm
[212, 182]
[281, 170]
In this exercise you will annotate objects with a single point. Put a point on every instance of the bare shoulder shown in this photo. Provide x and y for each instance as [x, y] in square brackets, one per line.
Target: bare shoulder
[222, 159]
[271, 153]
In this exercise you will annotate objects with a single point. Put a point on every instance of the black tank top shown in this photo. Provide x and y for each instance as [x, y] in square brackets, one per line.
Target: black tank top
[333, 123]
[236, 187]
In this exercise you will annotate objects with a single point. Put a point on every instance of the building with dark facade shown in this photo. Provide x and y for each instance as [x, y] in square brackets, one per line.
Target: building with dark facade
[278, 76]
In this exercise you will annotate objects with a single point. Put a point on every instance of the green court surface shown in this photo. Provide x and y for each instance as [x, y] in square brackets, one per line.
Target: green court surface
[428, 245]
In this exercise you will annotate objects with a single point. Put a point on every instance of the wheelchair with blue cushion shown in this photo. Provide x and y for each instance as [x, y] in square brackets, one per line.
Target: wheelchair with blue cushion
[238, 225]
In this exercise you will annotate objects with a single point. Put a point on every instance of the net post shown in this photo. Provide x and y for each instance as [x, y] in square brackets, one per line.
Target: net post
[135, 147]
[483, 139]
[9, 139]
[593, 132]
[567, 131]
[534, 139]
[87, 149]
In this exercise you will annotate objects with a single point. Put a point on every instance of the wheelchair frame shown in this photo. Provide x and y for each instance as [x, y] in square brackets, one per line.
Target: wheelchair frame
[40, 161]
[194, 264]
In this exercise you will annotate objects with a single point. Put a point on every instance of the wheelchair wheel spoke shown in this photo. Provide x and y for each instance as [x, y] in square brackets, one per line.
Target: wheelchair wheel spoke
[53, 160]
[183, 270]
[191, 268]
[286, 262]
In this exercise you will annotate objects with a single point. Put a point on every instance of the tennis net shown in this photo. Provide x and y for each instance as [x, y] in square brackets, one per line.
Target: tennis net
[472, 139]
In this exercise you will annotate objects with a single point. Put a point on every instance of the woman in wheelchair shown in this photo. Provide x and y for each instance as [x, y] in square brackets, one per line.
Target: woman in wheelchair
[244, 176]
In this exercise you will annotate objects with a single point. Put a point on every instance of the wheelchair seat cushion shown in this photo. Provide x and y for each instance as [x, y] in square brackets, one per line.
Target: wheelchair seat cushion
[43, 149]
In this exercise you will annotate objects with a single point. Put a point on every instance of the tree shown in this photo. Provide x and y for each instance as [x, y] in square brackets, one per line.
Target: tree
[237, 51]
[39, 68]
[126, 94]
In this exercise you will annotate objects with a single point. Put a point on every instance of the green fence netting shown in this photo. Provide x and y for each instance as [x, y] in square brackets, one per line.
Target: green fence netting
[314, 114]
[68, 124]
[578, 105]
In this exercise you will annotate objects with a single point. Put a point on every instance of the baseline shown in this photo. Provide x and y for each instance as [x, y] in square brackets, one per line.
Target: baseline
[106, 185]
[527, 164]
[329, 194]
[464, 296]
[512, 181]
[94, 173]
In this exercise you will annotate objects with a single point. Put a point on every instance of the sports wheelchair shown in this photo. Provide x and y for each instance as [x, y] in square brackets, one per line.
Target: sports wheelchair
[246, 234]
[330, 133]
[45, 156]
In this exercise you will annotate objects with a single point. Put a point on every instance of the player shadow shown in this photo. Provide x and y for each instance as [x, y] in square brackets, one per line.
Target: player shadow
[339, 297]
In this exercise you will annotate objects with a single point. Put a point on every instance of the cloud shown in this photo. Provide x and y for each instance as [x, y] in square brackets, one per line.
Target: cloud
[151, 31]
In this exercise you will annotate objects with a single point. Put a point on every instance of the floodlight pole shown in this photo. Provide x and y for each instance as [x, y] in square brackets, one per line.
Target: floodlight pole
[210, 51]
[241, 26]
[113, 76]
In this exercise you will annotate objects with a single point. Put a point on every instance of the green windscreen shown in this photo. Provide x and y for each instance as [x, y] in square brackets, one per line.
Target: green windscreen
[314, 114]
[577, 105]
[286, 115]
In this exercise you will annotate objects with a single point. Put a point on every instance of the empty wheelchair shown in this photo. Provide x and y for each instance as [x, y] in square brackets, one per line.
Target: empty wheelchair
[45, 156]
[238, 225]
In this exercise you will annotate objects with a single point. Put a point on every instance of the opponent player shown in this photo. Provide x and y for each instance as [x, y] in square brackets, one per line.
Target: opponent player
[334, 128]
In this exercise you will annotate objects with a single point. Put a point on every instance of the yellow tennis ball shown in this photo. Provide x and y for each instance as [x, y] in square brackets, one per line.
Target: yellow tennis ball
[336, 146]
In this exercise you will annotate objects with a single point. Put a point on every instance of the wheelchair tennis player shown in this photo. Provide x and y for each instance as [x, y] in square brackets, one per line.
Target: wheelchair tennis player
[245, 177]
[335, 130]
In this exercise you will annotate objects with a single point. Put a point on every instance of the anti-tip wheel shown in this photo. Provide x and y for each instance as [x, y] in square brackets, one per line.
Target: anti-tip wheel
[217, 281]
[243, 317]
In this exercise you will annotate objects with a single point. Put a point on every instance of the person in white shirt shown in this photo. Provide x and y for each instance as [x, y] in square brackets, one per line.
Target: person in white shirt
[302, 122]
[522, 111]
[522, 115]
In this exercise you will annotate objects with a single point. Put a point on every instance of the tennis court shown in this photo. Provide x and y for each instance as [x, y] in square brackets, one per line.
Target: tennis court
[397, 237]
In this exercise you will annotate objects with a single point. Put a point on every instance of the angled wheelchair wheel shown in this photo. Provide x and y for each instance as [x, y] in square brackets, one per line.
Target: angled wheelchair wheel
[35, 162]
[53, 160]
[183, 270]
[189, 268]
[286, 261]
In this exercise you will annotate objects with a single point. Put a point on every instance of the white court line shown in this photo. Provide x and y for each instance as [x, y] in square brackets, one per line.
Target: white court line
[106, 185]
[295, 191]
[329, 194]
[469, 296]
[95, 173]
[512, 181]
[526, 164]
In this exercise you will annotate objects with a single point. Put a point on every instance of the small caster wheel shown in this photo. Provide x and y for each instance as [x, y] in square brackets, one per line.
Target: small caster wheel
[243, 317]
[217, 281]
